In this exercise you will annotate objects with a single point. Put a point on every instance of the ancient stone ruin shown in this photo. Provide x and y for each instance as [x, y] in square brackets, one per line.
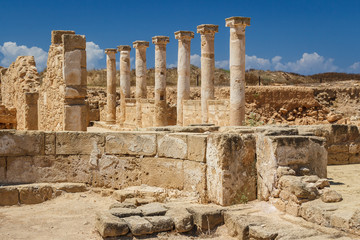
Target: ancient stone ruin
[188, 171]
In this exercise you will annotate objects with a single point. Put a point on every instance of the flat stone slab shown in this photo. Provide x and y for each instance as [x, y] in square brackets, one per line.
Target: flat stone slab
[207, 217]
[153, 209]
[138, 225]
[183, 220]
[125, 212]
[34, 194]
[122, 205]
[110, 226]
[71, 187]
[161, 223]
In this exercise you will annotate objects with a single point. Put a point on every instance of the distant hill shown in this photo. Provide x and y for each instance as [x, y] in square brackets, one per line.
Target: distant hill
[222, 77]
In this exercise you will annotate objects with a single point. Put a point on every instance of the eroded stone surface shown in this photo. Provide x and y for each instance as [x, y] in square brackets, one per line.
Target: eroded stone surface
[110, 226]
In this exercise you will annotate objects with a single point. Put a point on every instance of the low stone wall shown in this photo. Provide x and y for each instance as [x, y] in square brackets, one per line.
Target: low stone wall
[182, 161]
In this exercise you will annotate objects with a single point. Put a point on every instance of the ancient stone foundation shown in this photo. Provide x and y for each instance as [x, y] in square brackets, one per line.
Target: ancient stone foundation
[62, 94]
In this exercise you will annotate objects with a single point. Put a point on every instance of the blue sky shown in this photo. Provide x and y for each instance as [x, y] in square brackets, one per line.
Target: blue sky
[298, 36]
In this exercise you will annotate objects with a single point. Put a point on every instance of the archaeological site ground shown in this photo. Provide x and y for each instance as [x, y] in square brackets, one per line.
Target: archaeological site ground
[132, 154]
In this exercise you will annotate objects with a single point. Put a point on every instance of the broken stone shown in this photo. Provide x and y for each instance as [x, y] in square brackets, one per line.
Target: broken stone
[330, 195]
[110, 226]
[322, 183]
[153, 209]
[125, 212]
[138, 225]
[122, 205]
[35, 194]
[310, 179]
[8, 196]
[207, 218]
[282, 171]
[183, 220]
[161, 223]
[72, 187]
[121, 195]
[260, 232]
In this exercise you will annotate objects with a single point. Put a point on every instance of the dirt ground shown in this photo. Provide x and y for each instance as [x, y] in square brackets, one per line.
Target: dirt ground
[72, 215]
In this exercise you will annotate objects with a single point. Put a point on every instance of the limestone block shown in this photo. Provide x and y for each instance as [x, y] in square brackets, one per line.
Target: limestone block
[49, 142]
[339, 148]
[35, 193]
[18, 143]
[116, 172]
[138, 225]
[72, 68]
[9, 196]
[183, 220]
[125, 212]
[195, 178]
[197, 147]
[207, 217]
[153, 209]
[75, 92]
[71, 187]
[342, 133]
[261, 232]
[354, 159]
[173, 145]
[2, 170]
[83, 60]
[338, 158]
[330, 195]
[48, 168]
[122, 205]
[161, 223]
[75, 118]
[56, 36]
[73, 42]
[131, 143]
[79, 143]
[231, 174]
[110, 226]
[155, 172]
[237, 226]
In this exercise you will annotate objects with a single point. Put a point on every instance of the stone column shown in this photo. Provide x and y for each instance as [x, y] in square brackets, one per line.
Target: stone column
[237, 68]
[111, 85]
[75, 79]
[124, 70]
[207, 32]
[183, 69]
[124, 79]
[140, 72]
[140, 65]
[31, 110]
[160, 80]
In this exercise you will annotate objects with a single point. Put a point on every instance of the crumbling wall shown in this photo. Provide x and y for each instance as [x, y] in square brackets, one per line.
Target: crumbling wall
[62, 96]
[19, 88]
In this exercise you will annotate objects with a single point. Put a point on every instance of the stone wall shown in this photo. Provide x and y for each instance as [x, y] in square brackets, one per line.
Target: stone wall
[19, 90]
[62, 95]
[183, 161]
[342, 142]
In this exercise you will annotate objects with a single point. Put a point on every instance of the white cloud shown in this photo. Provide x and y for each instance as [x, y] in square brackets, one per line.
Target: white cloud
[172, 65]
[355, 68]
[195, 59]
[10, 51]
[93, 55]
[257, 63]
[224, 64]
[309, 63]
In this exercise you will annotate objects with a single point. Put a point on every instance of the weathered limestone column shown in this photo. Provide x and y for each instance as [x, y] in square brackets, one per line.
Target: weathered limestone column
[111, 85]
[124, 70]
[124, 79]
[140, 65]
[183, 69]
[237, 68]
[207, 32]
[160, 80]
[140, 72]
[31, 110]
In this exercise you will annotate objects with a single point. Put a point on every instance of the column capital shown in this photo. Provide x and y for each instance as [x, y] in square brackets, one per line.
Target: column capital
[123, 48]
[140, 44]
[110, 50]
[184, 35]
[207, 29]
[237, 21]
[160, 40]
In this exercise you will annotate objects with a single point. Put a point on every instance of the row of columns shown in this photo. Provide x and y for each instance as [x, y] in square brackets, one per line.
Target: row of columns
[207, 31]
